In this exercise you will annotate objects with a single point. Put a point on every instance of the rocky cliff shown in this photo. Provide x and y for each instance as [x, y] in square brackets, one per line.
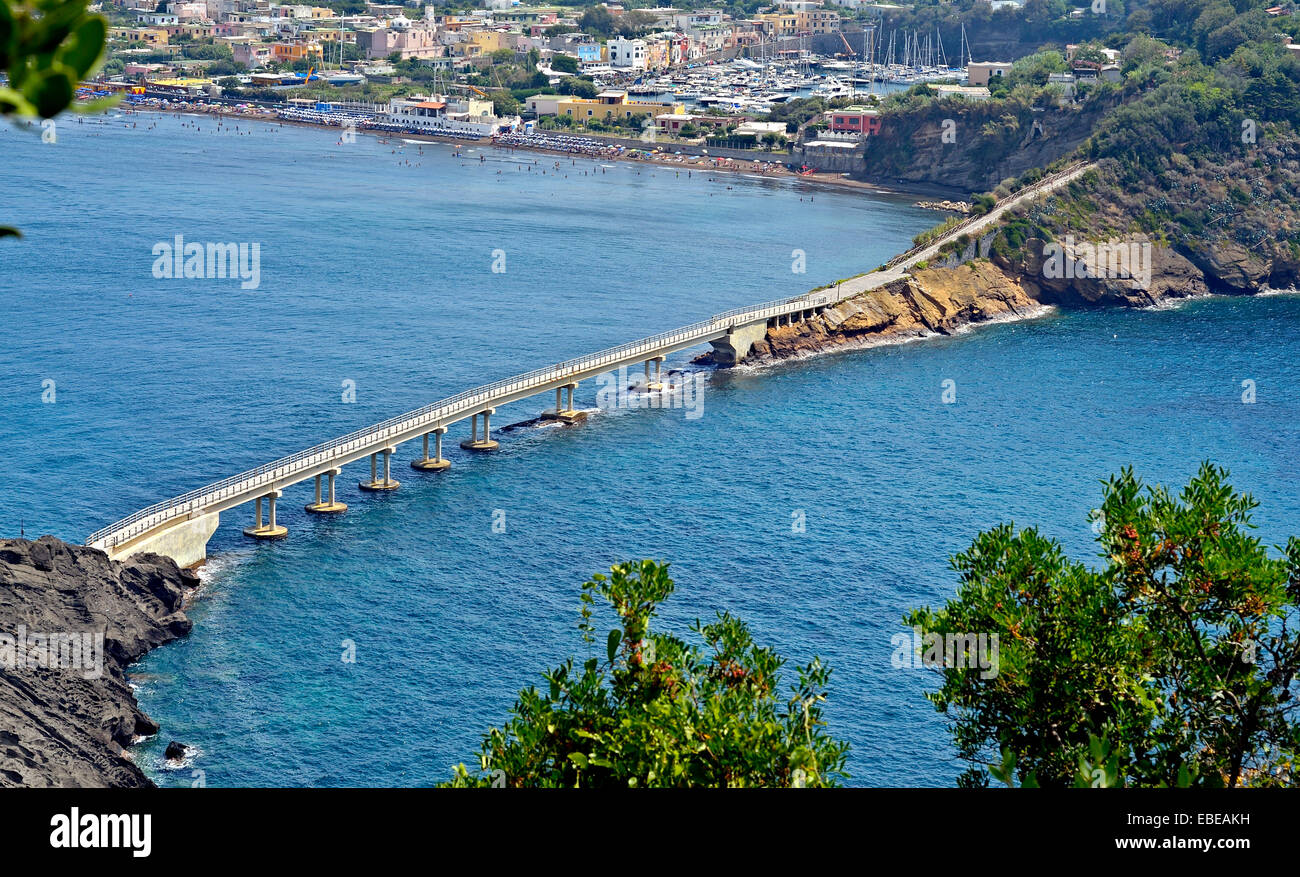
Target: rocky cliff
[970, 289]
[923, 303]
[973, 146]
[71, 621]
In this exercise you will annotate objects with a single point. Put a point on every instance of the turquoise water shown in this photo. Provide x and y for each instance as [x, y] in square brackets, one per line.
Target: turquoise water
[378, 272]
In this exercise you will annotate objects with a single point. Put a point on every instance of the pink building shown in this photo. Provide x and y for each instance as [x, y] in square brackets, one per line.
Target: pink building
[855, 120]
[409, 42]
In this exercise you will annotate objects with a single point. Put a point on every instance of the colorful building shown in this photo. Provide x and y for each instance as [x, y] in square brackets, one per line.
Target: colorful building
[855, 120]
[612, 104]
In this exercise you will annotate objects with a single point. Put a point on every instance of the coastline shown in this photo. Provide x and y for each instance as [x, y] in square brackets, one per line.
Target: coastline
[954, 300]
[71, 717]
[666, 160]
[927, 303]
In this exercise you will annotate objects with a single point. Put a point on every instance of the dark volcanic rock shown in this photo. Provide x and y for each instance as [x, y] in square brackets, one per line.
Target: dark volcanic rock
[67, 725]
[175, 751]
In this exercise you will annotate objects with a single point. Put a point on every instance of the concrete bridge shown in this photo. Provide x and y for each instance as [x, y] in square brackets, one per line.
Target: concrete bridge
[180, 527]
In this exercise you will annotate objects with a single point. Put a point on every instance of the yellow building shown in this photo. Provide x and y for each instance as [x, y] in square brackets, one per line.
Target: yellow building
[611, 104]
[294, 51]
[817, 21]
[486, 41]
[781, 24]
[153, 36]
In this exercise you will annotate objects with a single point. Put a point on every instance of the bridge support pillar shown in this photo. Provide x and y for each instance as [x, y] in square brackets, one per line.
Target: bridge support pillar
[474, 443]
[654, 384]
[269, 530]
[733, 347]
[435, 463]
[327, 505]
[376, 483]
[565, 413]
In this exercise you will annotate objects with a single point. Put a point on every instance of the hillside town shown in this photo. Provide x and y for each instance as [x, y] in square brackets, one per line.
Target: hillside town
[803, 82]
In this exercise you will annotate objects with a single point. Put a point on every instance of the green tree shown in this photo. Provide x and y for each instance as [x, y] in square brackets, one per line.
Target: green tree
[503, 104]
[655, 711]
[597, 20]
[1175, 663]
[46, 48]
[578, 86]
[564, 63]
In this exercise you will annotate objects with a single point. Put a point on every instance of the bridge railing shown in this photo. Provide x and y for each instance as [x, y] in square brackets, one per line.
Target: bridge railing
[971, 220]
[267, 474]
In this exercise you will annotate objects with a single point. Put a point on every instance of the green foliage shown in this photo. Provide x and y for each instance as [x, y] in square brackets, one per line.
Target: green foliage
[564, 63]
[981, 204]
[654, 711]
[47, 47]
[937, 231]
[504, 104]
[1173, 664]
[207, 52]
[797, 112]
[578, 86]
[599, 21]
[1034, 69]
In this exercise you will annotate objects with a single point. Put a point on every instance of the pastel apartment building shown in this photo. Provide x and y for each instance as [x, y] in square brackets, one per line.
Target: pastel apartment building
[981, 72]
[862, 121]
[612, 104]
[150, 36]
[407, 42]
[287, 53]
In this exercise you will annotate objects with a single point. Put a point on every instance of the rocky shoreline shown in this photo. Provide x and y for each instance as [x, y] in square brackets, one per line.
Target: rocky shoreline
[968, 289]
[72, 725]
[71, 622]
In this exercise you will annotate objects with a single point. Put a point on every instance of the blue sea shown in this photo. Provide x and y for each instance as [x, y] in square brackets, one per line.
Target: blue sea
[118, 389]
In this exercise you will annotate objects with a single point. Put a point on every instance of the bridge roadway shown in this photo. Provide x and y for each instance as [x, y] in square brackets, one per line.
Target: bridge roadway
[180, 527]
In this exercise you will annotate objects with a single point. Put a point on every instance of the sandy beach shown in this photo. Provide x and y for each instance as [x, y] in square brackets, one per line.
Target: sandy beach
[701, 163]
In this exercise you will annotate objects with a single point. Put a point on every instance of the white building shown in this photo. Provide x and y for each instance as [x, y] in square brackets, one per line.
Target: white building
[759, 130]
[157, 19]
[449, 117]
[967, 92]
[627, 54]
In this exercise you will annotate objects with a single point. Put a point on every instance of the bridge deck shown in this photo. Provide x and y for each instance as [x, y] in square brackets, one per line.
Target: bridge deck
[254, 483]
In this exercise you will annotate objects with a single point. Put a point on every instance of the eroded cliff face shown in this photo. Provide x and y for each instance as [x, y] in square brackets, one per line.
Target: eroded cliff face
[65, 719]
[973, 146]
[1169, 276]
[969, 290]
[930, 301]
